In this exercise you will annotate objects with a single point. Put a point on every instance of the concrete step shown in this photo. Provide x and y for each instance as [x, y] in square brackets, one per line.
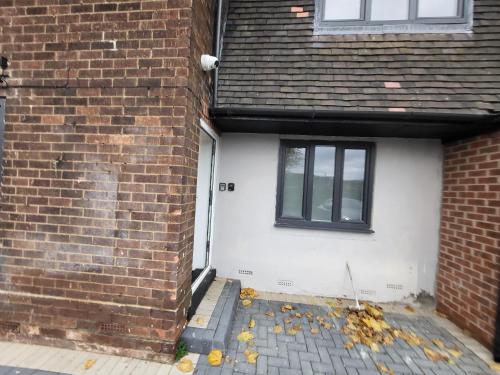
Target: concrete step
[220, 325]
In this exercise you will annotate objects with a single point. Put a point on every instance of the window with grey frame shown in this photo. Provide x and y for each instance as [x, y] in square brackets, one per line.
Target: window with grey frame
[325, 185]
[393, 15]
[2, 132]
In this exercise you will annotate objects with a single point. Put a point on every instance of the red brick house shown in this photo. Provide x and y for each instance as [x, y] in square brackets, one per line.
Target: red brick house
[333, 132]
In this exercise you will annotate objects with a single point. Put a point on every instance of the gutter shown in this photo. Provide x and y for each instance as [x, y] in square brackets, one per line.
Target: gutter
[372, 116]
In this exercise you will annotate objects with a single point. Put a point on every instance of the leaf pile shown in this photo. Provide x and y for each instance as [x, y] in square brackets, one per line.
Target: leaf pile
[369, 328]
[247, 295]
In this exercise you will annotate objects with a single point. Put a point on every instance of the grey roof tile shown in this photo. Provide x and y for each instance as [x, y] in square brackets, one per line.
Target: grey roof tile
[272, 59]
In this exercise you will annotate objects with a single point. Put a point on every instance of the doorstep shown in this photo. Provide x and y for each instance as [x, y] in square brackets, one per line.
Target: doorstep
[211, 326]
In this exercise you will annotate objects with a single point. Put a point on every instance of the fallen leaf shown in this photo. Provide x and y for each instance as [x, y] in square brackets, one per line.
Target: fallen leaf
[291, 331]
[277, 329]
[409, 308]
[246, 302]
[433, 355]
[373, 324]
[185, 365]
[308, 314]
[248, 293]
[89, 363]
[297, 327]
[298, 315]
[455, 353]
[251, 323]
[438, 343]
[200, 320]
[349, 345]
[245, 336]
[495, 366]
[215, 358]
[287, 320]
[373, 311]
[384, 369]
[286, 307]
[327, 325]
[270, 314]
[314, 331]
[374, 347]
[251, 356]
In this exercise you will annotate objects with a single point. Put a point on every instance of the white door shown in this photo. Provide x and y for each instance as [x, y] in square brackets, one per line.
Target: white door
[203, 213]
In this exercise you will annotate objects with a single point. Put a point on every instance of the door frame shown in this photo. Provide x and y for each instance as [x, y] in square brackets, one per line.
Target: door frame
[211, 132]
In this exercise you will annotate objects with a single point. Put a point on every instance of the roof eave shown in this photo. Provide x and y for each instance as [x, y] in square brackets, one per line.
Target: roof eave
[445, 126]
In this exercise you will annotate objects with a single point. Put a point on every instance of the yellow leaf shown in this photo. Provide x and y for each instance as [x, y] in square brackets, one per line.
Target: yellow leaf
[382, 368]
[349, 345]
[270, 314]
[245, 336]
[374, 347]
[409, 308]
[495, 366]
[327, 325]
[314, 331]
[251, 356]
[438, 343]
[373, 324]
[185, 365]
[433, 356]
[251, 323]
[89, 363]
[246, 302]
[297, 327]
[287, 320]
[298, 315]
[215, 358]
[277, 329]
[308, 314]
[248, 293]
[286, 307]
[373, 311]
[455, 353]
[200, 320]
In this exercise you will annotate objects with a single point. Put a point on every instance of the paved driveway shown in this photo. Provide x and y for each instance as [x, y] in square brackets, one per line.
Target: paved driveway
[324, 352]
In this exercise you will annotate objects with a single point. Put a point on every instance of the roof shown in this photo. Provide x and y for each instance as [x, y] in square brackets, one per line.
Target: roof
[272, 59]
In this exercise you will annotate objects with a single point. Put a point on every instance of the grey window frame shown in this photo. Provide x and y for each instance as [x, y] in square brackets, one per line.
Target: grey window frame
[2, 132]
[414, 24]
[363, 226]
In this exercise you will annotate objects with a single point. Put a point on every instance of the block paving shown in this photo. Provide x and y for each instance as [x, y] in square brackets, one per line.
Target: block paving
[324, 353]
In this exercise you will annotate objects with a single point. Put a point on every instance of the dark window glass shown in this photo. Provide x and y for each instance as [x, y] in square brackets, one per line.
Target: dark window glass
[325, 185]
[293, 188]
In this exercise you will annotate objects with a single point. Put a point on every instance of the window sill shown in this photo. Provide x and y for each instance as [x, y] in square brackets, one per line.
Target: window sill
[329, 227]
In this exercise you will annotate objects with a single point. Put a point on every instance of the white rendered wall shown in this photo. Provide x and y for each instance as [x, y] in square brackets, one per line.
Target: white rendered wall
[397, 260]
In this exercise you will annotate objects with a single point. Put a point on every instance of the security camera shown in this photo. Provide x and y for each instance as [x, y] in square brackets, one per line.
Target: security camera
[209, 62]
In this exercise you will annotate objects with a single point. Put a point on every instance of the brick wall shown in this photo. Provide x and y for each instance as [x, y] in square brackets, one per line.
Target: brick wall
[469, 260]
[97, 198]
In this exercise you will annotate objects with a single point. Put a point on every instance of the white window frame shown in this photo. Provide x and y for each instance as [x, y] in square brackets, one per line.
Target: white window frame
[460, 24]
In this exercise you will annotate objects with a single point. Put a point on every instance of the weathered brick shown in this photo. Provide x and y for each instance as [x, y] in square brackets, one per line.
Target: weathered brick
[97, 211]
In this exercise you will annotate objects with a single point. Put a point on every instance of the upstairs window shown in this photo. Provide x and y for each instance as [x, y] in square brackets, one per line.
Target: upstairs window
[379, 16]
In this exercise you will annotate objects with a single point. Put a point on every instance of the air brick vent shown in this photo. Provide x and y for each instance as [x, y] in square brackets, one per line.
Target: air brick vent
[12, 327]
[285, 282]
[245, 272]
[112, 328]
[395, 286]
